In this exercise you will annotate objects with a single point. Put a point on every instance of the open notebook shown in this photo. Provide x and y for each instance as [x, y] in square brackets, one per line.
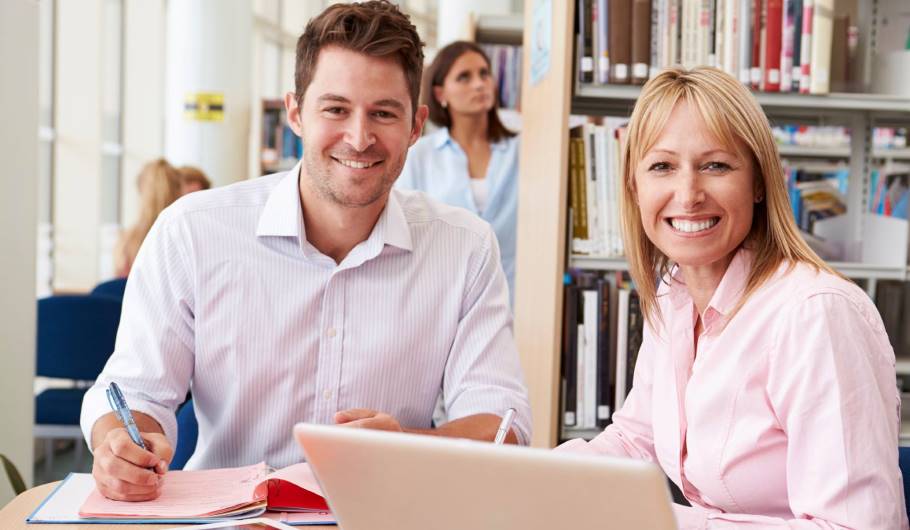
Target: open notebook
[290, 495]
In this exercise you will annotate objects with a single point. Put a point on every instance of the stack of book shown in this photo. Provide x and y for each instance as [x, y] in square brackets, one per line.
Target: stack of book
[602, 334]
[769, 45]
[505, 64]
[594, 187]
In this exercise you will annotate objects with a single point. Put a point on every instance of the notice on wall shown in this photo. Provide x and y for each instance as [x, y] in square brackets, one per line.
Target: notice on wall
[541, 40]
[204, 106]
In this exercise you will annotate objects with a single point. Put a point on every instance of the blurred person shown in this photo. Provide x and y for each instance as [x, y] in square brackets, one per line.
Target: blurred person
[159, 185]
[192, 179]
[471, 161]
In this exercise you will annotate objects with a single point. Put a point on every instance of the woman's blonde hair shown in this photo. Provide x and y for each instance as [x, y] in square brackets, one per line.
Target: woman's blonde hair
[734, 118]
[159, 186]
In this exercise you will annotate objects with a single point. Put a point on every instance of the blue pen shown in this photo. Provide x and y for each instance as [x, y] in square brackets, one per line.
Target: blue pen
[118, 403]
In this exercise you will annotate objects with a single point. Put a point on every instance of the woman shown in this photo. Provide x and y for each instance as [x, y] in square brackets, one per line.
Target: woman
[159, 186]
[765, 385]
[192, 179]
[472, 160]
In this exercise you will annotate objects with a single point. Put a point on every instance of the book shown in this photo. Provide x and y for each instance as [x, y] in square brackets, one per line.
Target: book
[291, 495]
[570, 353]
[619, 15]
[805, 47]
[820, 58]
[641, 40]
[772, 45]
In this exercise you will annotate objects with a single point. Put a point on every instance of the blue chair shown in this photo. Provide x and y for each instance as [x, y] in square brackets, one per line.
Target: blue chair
[904, 459]
[76, 335]
[113, 288]
[187, 433]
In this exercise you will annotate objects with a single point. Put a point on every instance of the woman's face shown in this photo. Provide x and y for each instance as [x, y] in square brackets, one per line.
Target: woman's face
[468, 87]
[696, 197]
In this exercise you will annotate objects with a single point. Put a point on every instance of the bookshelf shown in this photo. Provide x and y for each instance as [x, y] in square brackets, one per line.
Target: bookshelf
[542, 257]
[279, 148]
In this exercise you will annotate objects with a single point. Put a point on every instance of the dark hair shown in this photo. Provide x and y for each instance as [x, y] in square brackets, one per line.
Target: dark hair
[376, 28]
[436, 76]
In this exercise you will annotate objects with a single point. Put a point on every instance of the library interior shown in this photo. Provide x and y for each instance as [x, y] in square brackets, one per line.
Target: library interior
[567, 165]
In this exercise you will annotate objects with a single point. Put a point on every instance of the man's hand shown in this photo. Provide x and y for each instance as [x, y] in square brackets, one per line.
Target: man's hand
[123, 471]
[367, 419]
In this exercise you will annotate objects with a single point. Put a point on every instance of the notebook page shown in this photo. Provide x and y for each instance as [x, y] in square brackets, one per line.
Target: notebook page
[299, 474]
[186, 494]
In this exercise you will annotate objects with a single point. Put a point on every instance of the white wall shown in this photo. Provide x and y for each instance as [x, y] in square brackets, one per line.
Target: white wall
[18, 226]
[453, 20]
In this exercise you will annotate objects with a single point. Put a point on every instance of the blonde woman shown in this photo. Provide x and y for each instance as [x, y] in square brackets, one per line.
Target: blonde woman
[192, 179]
[765, 385]
[159, 186]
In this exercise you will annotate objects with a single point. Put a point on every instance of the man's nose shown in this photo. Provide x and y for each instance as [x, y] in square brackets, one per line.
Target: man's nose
[359, 134]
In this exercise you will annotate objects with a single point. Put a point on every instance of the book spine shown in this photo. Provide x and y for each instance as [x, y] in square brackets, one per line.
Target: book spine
[586, 68]
[796, 69]
[622, 346]
[745, 41]
[755, 74]
[570, 351]
[786, 47]
[805, 51]
[604, 396]
[655, 33]
[822, 32]
[673, 24]
[773, 41]
[641, 40]
[620, 35]
[603, 62]
[591, 326]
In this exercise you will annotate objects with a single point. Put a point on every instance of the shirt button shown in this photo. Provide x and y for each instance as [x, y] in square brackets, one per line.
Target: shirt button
[330, 332]
[327, 394]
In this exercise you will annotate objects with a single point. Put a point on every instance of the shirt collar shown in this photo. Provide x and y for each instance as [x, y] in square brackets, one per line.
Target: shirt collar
[281, 215]
[728, 293]
[442, 138]
[392, 225]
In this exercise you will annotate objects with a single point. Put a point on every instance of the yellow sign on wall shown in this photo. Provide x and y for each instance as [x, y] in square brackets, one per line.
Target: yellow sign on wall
[204, 106]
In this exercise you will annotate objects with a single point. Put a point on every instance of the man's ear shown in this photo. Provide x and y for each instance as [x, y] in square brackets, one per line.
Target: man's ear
[420, 118]
[293, 112]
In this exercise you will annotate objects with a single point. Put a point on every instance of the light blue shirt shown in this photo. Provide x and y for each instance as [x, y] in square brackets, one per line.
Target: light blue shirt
[438, 166]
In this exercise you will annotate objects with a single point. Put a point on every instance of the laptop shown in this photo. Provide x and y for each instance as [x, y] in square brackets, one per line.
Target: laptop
[376, 480]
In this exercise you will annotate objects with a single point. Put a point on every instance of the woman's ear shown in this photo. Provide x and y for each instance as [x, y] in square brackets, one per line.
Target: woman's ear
[437, 95]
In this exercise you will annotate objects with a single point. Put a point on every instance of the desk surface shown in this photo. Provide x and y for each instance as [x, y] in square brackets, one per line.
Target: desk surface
[12, 516]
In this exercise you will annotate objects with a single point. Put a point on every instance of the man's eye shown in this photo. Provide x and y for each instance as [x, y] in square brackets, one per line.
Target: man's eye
[334, 110]
[383, 114]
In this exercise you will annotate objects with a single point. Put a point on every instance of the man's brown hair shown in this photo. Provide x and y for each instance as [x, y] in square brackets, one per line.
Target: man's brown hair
[376, 28]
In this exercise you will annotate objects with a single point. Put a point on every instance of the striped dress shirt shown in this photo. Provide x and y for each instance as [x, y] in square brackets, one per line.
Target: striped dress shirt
[229, 299]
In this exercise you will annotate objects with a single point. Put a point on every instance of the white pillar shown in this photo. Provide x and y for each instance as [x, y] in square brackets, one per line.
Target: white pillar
[77, 149]
[18, 229]
[143, 96]
[208, 51]
[454, 17]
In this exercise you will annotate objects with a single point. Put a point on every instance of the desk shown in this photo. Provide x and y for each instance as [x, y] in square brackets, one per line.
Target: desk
[12, 516]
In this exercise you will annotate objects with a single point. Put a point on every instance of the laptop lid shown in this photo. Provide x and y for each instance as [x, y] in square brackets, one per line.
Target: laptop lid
[377, 480]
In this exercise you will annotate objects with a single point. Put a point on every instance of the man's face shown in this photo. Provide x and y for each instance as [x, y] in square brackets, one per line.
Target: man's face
[356, 124]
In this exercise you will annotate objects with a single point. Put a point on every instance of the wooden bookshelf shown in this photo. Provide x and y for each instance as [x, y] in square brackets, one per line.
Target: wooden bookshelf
[542, 257]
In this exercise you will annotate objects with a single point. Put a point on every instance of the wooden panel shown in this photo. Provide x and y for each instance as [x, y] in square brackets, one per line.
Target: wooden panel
[542, 220]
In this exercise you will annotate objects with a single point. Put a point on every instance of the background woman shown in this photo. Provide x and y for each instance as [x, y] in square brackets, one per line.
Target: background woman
[764, 387]
[472, 160]
[159, 186]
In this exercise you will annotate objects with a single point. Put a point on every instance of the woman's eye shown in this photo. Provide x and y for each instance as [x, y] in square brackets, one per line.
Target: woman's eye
[659, 166]
[717, 166]
[462, 77]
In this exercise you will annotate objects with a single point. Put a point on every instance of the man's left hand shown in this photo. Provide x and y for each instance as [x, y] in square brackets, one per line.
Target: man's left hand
[367, 419]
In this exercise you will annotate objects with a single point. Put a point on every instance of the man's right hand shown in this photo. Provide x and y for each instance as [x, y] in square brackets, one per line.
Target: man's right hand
[123, 471]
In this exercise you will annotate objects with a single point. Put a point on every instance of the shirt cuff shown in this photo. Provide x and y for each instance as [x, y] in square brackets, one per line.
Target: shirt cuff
[689, 518]
[95, 405]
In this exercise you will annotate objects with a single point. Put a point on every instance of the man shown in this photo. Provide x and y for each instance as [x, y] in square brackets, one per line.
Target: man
[316, 295]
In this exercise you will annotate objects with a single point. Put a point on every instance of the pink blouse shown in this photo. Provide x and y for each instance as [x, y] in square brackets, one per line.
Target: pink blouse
[788, 417]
